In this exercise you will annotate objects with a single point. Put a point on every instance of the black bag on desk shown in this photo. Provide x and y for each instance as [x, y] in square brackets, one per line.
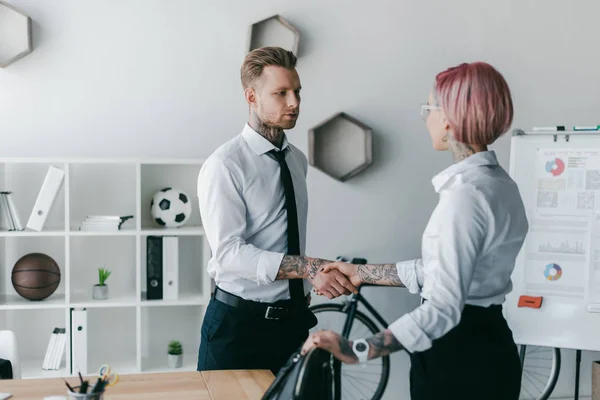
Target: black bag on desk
[307, 377]
[5, 369]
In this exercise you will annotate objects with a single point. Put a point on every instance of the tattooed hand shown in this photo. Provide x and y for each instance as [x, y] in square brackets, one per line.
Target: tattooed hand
[382, 274]
[334, 343]
[331, 285]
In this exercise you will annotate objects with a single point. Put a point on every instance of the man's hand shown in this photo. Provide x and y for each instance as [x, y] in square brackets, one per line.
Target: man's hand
[332, 284]
[349, 270]
[375, 274]
[334, 343]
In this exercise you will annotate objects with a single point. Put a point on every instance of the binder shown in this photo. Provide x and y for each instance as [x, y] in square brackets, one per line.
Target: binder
[46, 197]
[170, 267]
[79, 341]
[154, 268]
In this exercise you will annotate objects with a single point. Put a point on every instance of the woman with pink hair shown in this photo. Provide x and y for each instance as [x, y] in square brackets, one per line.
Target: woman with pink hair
[459, 342]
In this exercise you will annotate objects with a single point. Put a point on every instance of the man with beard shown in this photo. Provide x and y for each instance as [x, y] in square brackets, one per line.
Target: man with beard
[253, 203]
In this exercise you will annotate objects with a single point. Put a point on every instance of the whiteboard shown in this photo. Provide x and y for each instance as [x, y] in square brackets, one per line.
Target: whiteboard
[559, 181]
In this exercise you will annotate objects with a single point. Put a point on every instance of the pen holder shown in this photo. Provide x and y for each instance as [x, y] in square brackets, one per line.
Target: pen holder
[85, 396]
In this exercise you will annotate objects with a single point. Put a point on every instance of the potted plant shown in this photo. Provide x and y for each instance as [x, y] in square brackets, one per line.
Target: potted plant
[101, 289]
[175, 354]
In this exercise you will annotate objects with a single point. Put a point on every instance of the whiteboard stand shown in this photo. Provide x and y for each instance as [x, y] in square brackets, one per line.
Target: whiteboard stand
[564, 215]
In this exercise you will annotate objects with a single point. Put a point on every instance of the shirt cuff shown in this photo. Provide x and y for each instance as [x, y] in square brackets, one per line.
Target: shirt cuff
[407, 272]
[409, 334]
[268, 266]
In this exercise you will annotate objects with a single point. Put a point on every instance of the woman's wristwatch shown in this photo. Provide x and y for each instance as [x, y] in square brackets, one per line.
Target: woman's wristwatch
[361, 349]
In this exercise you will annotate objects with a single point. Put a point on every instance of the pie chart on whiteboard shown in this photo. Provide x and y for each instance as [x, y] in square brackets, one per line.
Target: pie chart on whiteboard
[555, 167]
[552, 272]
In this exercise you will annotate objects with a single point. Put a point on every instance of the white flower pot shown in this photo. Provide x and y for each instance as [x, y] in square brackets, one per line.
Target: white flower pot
[175, 360]
[100, 292]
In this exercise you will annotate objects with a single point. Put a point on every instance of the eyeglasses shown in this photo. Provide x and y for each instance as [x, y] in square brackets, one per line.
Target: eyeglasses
[426, 108]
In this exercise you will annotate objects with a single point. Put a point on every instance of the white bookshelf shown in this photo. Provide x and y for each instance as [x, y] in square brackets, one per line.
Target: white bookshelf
[126, 331]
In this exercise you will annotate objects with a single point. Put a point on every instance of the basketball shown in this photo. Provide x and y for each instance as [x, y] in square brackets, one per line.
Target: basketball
[35, 276]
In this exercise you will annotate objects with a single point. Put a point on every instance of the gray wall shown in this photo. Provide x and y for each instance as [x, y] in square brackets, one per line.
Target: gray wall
[161, 78]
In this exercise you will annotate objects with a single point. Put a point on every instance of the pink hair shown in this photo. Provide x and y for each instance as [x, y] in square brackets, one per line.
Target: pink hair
[477, 102]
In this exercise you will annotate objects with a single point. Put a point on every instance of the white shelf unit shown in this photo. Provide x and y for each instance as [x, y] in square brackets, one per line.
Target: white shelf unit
[126, 330]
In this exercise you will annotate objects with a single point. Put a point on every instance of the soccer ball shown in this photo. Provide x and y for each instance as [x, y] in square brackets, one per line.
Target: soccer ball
[170, 207]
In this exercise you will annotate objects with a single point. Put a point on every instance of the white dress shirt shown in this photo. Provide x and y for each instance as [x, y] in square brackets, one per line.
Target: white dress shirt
[242, 206]
[469, 249]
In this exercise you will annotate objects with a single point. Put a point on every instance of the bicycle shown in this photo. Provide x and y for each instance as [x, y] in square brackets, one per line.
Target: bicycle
[344, 317]
[378, 368]
[535, 360]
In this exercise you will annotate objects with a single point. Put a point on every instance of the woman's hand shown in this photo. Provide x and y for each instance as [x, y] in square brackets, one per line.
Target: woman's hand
[350, 270]
[332, 342]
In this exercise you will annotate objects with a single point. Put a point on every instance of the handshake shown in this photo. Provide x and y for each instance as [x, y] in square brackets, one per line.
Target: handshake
[336, 278]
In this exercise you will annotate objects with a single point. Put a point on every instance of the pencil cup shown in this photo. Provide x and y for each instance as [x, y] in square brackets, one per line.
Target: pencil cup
[85, 396]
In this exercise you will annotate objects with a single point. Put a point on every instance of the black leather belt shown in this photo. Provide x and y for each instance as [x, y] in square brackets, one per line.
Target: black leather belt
[279, 310]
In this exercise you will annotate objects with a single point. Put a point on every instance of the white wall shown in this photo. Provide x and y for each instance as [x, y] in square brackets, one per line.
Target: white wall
[161, 78]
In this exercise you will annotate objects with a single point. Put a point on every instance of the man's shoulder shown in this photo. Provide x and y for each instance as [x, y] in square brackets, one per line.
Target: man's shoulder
[228, 152]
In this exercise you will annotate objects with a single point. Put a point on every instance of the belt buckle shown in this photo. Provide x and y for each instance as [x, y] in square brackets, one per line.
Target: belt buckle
[268, 312]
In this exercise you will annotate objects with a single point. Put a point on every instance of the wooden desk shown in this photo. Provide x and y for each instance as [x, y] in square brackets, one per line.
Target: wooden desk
[208, 385]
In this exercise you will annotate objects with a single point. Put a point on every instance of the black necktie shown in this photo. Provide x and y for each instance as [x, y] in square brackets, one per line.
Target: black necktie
[296, 285]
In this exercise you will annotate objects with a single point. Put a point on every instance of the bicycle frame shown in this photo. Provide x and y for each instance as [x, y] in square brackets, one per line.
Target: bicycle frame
[351, 306]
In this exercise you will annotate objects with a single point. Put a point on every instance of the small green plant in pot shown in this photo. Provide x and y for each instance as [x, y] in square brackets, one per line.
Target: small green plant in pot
[101, 288]
[175, 354]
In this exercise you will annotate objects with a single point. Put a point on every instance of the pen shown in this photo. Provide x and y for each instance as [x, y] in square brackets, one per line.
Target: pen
[84, 386]
[69, 386]
[558, 128]
[97, 386]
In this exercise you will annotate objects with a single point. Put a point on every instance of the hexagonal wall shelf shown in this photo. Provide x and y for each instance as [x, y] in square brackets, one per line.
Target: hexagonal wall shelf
[340, 147]
[15, 34]
[274, 31]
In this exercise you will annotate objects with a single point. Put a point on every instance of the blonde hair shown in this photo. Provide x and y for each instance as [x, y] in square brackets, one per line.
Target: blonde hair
[258, 59]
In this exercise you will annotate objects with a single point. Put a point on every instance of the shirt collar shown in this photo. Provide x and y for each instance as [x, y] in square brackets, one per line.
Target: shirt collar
[478, 159]
[259, 143]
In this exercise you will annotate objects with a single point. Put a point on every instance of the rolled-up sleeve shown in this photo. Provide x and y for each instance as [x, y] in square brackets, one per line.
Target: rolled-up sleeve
[459, 230]
[411, 274]
[223, 213]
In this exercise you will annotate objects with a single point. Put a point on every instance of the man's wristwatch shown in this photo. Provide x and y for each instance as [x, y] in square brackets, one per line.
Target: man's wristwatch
[361, 349]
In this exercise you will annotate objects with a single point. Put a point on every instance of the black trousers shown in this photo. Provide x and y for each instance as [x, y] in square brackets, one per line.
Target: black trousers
[232, 338]
[476, 360]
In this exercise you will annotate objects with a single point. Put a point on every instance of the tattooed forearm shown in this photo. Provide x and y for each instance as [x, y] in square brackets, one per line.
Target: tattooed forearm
[293, 267]
[383, 274]
[383, 344]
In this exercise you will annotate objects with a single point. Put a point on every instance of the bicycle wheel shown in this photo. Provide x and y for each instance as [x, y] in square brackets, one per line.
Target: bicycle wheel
[359, 382]
[541, 366]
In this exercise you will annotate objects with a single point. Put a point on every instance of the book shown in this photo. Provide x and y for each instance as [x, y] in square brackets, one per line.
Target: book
[7, 220]
[50, 349]
[16, 220]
